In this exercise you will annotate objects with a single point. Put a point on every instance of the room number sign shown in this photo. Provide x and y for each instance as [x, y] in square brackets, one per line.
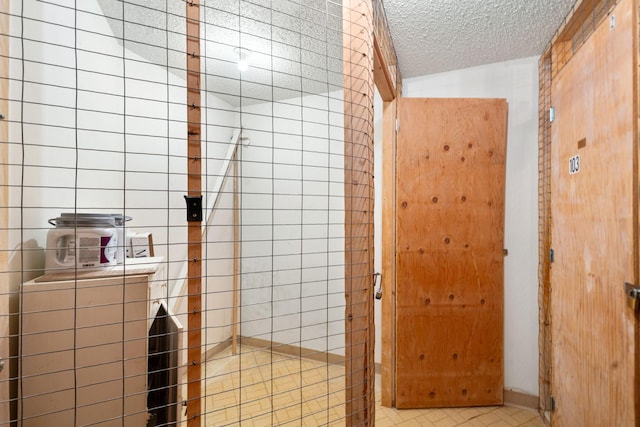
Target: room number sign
[574, 165]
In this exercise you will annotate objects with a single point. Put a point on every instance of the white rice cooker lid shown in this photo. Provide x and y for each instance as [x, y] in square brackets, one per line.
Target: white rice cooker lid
[72, 220]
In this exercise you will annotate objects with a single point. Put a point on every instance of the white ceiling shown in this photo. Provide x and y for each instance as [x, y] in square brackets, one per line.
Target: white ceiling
[432, 36]
[297, 45]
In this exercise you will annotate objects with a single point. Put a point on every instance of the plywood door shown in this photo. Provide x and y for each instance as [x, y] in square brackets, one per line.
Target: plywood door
[594, 230]
[450, 226]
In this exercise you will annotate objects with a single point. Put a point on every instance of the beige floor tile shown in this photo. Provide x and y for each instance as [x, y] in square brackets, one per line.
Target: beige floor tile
[474, 422]
[525, 416]
[384, 423]
[258, 421]
[410, 423]
[446, 422]
[424, 421]
[489, 418]
[471, 413]
[267, 389]
[410, 414]
[502, 423]
[435, 415]
[394, 417]
[224, 401]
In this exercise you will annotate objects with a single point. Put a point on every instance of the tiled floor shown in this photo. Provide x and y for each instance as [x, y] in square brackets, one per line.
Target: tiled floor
[260, 388]
[497, 416]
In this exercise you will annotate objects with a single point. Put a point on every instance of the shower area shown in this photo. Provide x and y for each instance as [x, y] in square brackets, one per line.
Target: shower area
[233, 139]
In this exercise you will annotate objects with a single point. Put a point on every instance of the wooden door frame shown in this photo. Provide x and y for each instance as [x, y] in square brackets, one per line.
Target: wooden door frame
[388, 81]
[389, 141]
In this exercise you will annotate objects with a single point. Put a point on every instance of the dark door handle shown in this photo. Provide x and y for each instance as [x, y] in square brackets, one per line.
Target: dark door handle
[633, 295]
[375, 280]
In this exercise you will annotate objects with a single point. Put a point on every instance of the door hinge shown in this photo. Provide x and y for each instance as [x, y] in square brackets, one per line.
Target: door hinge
[397, 125]
[552, 403]
[551, 255]
[552, 114]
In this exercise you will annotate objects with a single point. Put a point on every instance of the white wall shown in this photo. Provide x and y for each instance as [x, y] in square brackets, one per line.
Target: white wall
[129, 153]
[517, 81]
[219, 269]
[293, 222]
[377, 214]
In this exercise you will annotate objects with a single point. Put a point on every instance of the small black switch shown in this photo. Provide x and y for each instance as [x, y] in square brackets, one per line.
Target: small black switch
[194, 208]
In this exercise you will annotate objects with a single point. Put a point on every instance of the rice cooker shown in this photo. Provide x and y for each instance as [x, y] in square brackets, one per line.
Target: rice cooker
[84, 241]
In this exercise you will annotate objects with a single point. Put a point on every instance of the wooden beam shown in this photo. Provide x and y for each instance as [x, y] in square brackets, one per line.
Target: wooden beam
[4, 213]
[194, 247]
[636, 192]
[389, 254]
[381, 75]
[386, 71]
[544, 232]
[236, 257]
[358, 169]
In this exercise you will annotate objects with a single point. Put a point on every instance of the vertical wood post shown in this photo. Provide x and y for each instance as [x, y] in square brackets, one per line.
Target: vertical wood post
[4, 215]
[636, 192]
[236, 256]
[388, 397]
[544, 232]
[358, 168]
[194, 185]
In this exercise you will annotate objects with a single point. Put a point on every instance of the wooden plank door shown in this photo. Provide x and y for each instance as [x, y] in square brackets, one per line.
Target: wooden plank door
[450, 227]
[594, 237]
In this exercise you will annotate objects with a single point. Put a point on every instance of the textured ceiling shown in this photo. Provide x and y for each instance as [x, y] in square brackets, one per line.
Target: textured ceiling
[432, 36]
[297, 46]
